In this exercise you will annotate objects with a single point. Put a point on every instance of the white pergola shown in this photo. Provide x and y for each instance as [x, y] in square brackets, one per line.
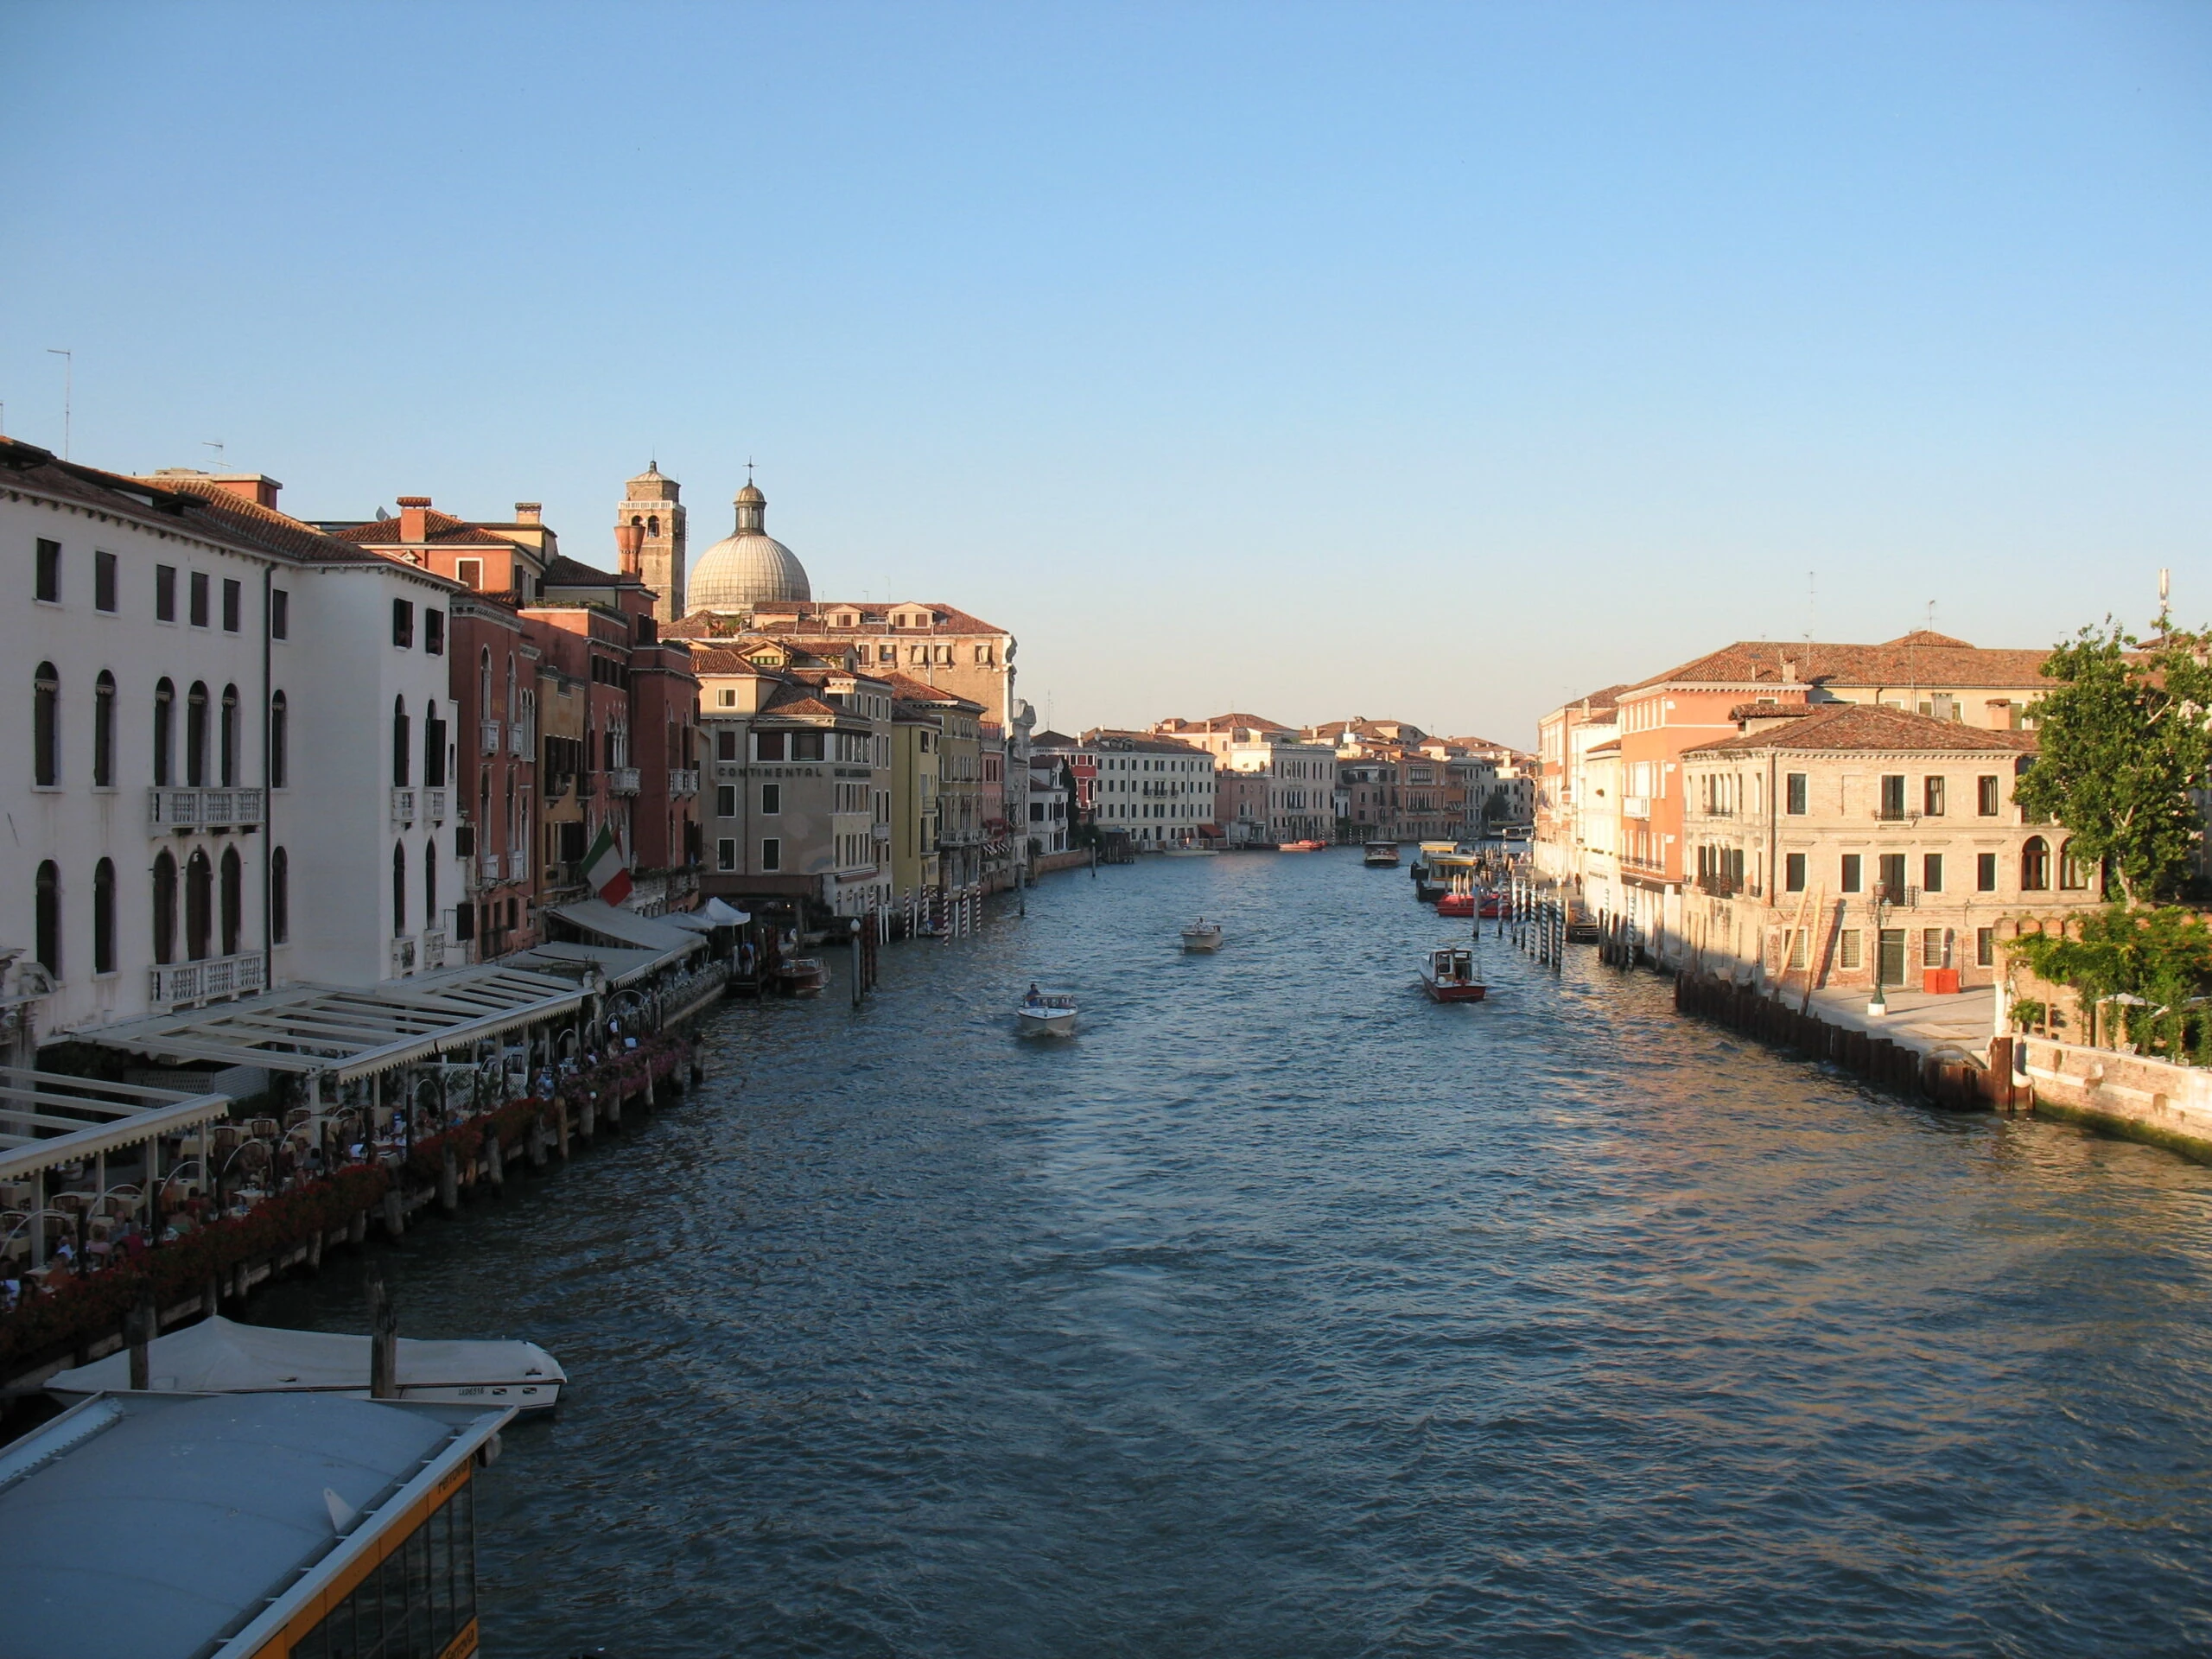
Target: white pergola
[340, 1034]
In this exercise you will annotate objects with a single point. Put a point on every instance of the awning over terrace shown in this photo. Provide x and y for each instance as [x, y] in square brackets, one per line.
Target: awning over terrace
[47, 1119]
[344, 1034]
[626, 927]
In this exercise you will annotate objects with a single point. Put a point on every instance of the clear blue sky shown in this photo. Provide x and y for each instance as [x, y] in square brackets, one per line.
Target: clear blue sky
[1437, 362]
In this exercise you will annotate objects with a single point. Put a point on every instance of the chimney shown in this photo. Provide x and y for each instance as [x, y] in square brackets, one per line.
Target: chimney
[413, 518]
[628, 540]
[529, 512]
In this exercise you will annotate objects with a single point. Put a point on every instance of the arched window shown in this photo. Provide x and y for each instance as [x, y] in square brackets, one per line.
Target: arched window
[399, 742]
[280, 739]
[280, 897]
[430, 882]
[49, 916]
[652, 525]
[2073, 873]
[104, 731]
[484, 684]
[164, 908]
[104, 917]
[199, 906]
[227, 740]
[398, 890]
[511, 687]
[46, 727]
[434, 748]
[2035, 865]
[233, 897]
[164, 734]
[195, 736]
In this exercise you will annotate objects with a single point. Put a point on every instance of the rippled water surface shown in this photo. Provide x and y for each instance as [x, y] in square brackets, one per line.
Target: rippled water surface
[1281, 1313]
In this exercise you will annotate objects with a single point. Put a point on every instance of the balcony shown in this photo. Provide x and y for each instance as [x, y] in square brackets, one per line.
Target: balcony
[621, 780]
[402, 806]
[403, 956]
[1897, 897]
[196, 982]
[490, 865]
[434, 805]
[433, 950]
[518, 738]
[1895, 815]
[880, 832]
[490, 737]
[518, 865]
[1636, 806]
[181, 810]
[1720, 886]
[682, 781]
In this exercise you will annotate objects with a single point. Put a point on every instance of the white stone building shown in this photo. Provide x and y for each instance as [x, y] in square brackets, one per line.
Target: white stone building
[204, 797]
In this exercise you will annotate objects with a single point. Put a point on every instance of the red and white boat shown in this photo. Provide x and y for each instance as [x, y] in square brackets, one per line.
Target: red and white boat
[1303, 847]
[1449, 977]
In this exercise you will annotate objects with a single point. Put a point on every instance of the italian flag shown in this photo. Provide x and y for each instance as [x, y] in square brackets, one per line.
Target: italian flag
[603, 867]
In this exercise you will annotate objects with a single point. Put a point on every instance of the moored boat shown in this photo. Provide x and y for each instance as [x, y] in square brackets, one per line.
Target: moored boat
[218, 1356]
[1303, 847]
[1046, 1013]
[1201, 935]
[1449, 975]
[1381, 854]
[802, 976]
[1456, 903]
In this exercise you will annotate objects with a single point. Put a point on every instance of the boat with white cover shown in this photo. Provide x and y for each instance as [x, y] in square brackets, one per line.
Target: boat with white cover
[1201, 935]
[219, 1356]
[1046, 1013]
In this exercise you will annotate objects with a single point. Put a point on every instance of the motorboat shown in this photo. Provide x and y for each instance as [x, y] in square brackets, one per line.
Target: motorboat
[1187, 849]
[1456, 903]
[1201, 935]
[1303, 847]
[1046, 1013]
[219, 1356]
[802, 976]
[1449, 977]
[1381, 854]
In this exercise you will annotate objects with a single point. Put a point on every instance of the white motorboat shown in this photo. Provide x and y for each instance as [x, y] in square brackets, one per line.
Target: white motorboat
[1046, 1013]
[1201, 935]
[219, 1356]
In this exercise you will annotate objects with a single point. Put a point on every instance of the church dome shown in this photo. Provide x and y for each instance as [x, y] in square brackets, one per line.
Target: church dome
[749, 567]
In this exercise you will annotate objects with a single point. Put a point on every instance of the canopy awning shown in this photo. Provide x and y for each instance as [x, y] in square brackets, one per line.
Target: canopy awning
[344, 1034]
[47, 1119]
[626, 927]
[712, 914]
[618, 964]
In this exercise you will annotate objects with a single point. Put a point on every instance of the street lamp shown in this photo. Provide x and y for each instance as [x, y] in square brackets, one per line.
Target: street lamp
[1878, 1005]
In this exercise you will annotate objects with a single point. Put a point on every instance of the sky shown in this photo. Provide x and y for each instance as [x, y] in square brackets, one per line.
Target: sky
[1435, 362]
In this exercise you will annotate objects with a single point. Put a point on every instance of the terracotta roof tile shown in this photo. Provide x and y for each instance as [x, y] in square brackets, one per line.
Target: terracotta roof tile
[1917, 659]
[1857, 725]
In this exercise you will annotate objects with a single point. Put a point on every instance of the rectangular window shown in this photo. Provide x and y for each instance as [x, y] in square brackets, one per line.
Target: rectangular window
[1931, 872]
[1853, 881]
[726, 698]
[402, 623]
[49, 580]
[1931, 797]
[726, 801]
[199, 599]
[1847, 948]
[469, 573]
[104, 582]
[434, 632]
[806, 746]
[725, 745]
[768, 745]
[1985, 873]
[1793, 866]
[280, 613]
[772, 799]
[1893, 805]
[1985, 797]
[232, 593]
[772, 854]
[1797, 945]
[1794, 794]
[1985, 947]
[726, 853]
[1931, 947]
[1893, 878]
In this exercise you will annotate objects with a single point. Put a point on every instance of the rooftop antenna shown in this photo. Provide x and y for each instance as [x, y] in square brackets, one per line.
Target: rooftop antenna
[216, 444]
[68, 390]
[1931, 616]
[1812, 604]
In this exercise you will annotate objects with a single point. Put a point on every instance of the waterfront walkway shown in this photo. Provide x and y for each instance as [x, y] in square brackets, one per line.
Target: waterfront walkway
[1926, 1025]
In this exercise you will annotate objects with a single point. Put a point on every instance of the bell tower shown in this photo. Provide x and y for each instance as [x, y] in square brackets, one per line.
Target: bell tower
[653, 504]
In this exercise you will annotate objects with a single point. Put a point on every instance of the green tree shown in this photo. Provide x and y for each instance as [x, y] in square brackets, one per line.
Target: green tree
[2161, 956]
[2122, 740]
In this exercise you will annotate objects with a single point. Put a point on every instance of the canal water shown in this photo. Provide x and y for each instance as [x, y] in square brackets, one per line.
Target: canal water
[1281, 1312]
